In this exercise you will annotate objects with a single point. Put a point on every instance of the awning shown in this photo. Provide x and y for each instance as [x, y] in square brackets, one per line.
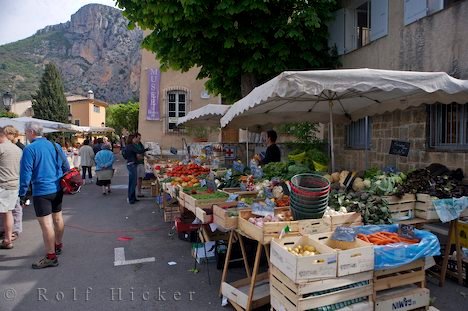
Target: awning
[208, 115]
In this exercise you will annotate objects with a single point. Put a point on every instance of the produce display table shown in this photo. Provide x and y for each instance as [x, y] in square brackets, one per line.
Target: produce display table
[253, 291]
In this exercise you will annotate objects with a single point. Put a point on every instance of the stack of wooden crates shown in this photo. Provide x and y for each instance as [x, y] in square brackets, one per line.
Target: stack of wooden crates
[330, 280]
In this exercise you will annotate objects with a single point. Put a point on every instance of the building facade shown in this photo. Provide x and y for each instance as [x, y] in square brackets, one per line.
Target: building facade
[86, 110]
[418, 35]
[167, 96]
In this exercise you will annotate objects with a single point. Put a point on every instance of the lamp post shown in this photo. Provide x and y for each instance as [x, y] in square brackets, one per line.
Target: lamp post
[7, 101]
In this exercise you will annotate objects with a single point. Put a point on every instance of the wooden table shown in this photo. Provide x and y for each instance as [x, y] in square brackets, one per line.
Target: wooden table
[253, 291]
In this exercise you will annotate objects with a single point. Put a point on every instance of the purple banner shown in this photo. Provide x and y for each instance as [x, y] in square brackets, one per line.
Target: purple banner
[154, 77]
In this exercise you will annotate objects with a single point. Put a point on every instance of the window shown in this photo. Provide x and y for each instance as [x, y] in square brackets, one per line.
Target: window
[417, 9]
[77, 122]
[358, 24]
[96, 109]
[356, 134]
[448, 126]
[177, 107]
[69, 108]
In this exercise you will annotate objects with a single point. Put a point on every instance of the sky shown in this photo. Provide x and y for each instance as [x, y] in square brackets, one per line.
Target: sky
[20, 19]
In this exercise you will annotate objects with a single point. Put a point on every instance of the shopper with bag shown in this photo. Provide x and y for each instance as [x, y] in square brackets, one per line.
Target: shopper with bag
[43, 167]
[104, 170]
[86, 160]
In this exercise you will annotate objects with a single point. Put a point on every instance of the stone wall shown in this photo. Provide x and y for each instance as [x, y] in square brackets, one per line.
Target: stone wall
[408, 125]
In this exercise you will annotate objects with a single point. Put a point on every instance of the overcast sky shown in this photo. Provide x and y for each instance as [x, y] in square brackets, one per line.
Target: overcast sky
[20, 19]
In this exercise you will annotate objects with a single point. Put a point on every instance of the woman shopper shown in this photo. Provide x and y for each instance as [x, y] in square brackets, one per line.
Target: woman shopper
[131, 153]
[86, 160]
[104, 171]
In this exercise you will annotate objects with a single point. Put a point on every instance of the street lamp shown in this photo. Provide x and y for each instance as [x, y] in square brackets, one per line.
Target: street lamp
[70, 118]
[7, 101]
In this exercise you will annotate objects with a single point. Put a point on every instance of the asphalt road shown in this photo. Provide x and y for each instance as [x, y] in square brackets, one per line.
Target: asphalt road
[87, 278]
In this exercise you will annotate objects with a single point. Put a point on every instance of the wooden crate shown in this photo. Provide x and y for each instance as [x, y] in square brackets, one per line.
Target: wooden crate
[401, 208]
[170, 216]
[242, 194]
[221, 215]
[207, 235]
[349, 219]
[424, 208]
[403, 299]
[412, 273]
[313, 226]
[191, 203]
[353, 259]
[290, 296]
[269, 230]
[305, 268]
[205, 215]
[238, 292]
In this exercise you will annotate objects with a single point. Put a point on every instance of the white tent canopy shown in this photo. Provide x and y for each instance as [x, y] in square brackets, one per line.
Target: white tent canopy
[95, 129]
[57, 126]
[208, 115]
[341, 95]
[20, 125]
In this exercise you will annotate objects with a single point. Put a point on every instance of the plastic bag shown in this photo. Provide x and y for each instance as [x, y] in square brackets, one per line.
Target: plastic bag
[450, 209]
[399, 254]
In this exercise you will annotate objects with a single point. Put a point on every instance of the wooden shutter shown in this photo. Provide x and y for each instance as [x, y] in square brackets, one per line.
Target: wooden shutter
[379, 19]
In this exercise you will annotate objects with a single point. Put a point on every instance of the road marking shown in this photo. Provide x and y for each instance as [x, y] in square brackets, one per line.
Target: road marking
[119, 258]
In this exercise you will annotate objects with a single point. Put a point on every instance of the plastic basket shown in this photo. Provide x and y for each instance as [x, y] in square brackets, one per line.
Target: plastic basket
[309, 184]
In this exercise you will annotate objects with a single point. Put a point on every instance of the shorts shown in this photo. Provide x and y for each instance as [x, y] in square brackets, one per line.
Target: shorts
[8, 199]
[44, 205]
[141, 171]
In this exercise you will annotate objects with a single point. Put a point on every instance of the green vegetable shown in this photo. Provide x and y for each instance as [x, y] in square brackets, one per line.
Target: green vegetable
[208, 196]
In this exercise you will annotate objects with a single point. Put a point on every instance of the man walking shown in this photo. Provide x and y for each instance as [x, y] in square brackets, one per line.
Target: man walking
[10, 156]
[43, 167]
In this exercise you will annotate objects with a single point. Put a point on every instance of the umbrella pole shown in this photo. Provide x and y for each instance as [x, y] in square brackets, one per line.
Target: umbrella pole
[331, 136]
[247, 147]
[366, 150]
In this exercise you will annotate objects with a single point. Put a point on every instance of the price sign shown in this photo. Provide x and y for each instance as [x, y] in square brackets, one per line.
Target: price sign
[346, 234]
[400, 148]
[406, 231]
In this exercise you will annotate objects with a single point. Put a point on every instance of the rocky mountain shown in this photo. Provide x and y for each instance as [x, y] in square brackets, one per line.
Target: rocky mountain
[94, 51]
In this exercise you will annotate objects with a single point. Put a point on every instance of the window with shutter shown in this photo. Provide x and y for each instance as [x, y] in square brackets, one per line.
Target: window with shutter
[379, 19]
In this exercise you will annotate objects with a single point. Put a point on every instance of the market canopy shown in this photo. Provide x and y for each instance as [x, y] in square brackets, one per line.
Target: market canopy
[341, 95]
[20, 125]
[46, 124]
[208, 115]
[95, 129]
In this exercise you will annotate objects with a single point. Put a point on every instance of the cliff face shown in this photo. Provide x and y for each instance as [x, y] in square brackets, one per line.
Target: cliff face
[94, 51]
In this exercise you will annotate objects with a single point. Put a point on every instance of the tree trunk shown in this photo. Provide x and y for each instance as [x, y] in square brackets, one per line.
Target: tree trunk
[248, 83]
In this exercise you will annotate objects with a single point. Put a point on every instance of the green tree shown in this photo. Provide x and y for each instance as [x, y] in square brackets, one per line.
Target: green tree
[237, 44]
[49, 102]
[124, 115]
[8, 114]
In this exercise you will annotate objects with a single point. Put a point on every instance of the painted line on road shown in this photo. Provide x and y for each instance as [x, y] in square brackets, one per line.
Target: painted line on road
[119, 258]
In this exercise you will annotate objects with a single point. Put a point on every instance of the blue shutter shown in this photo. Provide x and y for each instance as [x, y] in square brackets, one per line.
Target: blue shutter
[434, 6]
[336, 30]
[414, 10]
[379, 19]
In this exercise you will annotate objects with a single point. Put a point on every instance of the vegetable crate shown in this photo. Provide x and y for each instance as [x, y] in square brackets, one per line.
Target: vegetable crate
[155, 188]
[327, 294]
[424, 208]
[171, 216]
[226, 215]
[313, 226]
[204, 214]
[349, 220]
[270, 230]
[191, 203]
[303, 268]
[401, 208]
[353, 257]
[399, 278]
[242, 194]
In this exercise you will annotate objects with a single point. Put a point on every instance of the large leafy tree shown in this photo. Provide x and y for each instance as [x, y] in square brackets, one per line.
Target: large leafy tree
[122, 116]
[49, 102]
[237, 44]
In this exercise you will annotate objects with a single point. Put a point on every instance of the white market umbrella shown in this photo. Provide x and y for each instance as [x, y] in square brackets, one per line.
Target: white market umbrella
[341, 95]
[20, 125]
[208, 115]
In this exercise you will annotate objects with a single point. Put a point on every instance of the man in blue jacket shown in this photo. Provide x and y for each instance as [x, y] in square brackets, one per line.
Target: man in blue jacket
[43, 167]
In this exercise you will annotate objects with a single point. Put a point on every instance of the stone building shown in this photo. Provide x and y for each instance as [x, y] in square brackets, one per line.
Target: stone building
[405, 35]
